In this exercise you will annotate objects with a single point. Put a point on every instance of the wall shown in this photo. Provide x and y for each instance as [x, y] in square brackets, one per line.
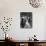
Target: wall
[12, 8]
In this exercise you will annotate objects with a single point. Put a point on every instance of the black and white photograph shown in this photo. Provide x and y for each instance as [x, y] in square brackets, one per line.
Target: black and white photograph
[26, 19]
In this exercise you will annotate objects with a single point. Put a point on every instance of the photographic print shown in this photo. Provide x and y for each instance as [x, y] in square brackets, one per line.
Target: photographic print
[26, 19]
